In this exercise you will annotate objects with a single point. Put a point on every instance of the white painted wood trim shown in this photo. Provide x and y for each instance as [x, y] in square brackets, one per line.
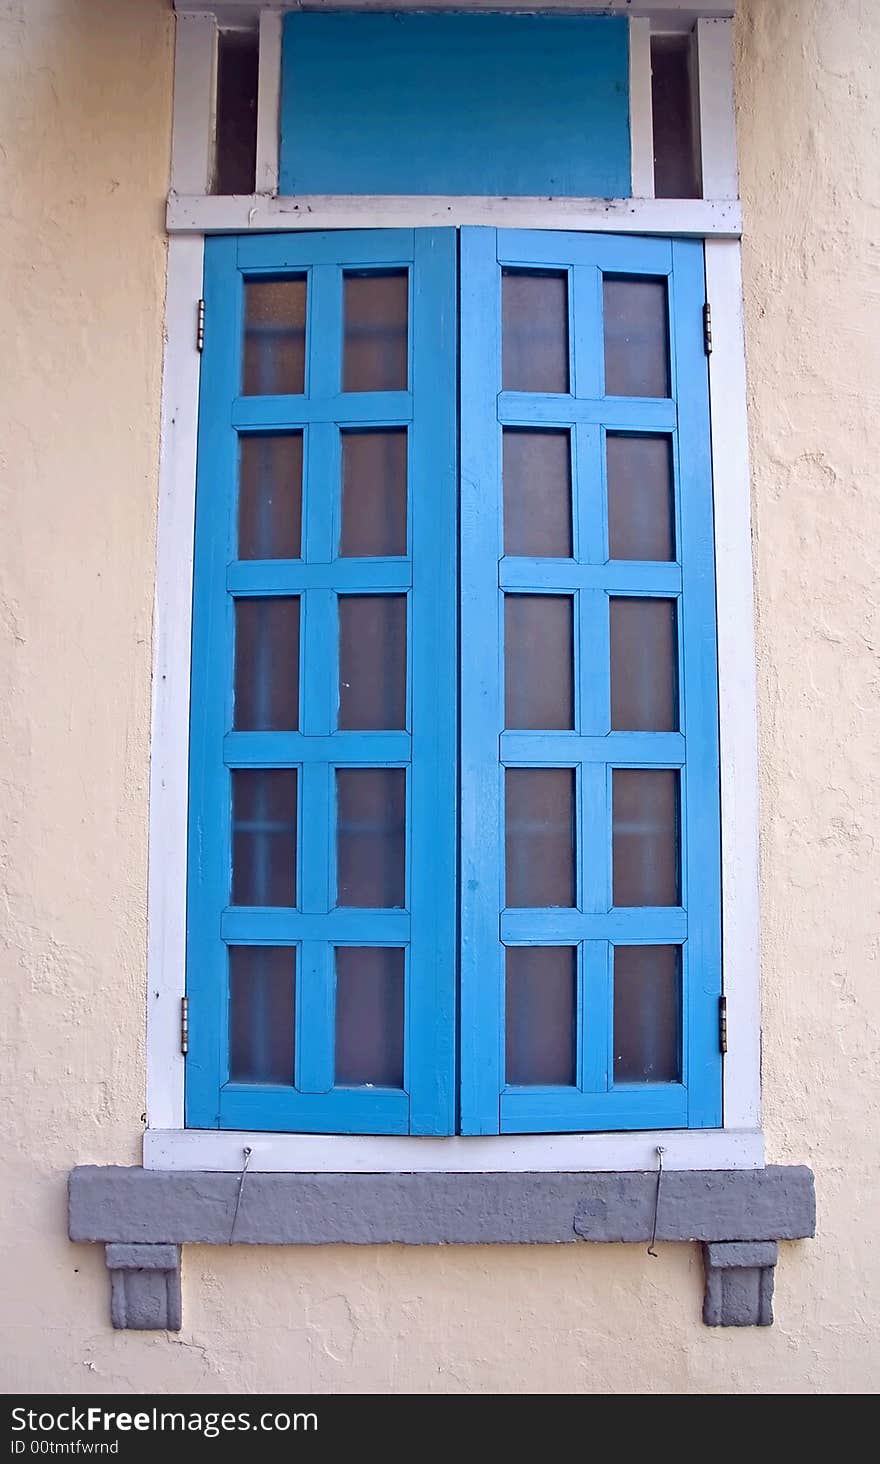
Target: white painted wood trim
[529, 1153]
[681, 216]
[237, 12]
[268, 102]
[739, 1144]
[195, 95]
[717, 121]
[169, 759]
[736, 688]
[641, 116]
[739, 793]
[167, 1145]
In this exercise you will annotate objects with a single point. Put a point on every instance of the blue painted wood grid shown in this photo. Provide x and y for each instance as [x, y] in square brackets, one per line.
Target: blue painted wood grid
[593, 926]
[426, 749]
[526, 105]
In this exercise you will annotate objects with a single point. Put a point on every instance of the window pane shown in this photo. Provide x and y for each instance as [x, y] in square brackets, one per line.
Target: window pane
[645, 836]
[538, 670]
[676, 166]
[537, 493]
[534, 331]
[372, 662]
[270, 497]
[236, 149]
[261, 1014]
[264, 836]
[374, 493]
[636, 338]
[267, 664]
[643, 665]
[541, 1015]
[647, 1014]
[369, 1016]
[540, 837]
[274, 337]
[374, 344]
[371, 839]
[640, 511]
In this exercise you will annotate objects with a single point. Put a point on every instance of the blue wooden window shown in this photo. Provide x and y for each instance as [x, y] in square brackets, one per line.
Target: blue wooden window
[321, 900]
[488, 104]
[377, 646]
[590, 879]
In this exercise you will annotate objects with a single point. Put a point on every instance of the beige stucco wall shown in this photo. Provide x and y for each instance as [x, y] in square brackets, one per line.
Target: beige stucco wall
[85, 96]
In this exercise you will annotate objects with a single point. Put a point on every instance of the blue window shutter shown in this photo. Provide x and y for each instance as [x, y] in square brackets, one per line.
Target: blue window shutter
[525, 105]
[426, 750]
[594, 927]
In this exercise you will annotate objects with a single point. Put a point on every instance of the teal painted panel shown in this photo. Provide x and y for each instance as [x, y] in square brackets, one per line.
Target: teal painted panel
[438, 104]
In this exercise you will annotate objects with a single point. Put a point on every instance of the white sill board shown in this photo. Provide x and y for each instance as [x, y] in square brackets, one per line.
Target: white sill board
[222, 1151]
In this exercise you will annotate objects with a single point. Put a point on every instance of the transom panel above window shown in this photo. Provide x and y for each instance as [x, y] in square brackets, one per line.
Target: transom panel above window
[587, 120]
[454, 848]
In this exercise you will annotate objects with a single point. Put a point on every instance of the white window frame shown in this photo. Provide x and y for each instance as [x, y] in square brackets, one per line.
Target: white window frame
[192, 213]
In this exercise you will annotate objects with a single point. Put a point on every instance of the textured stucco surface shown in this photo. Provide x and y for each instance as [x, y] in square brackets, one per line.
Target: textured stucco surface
[85, 95]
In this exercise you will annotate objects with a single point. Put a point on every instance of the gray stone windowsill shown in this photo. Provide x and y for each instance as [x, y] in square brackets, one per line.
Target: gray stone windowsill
[144, 1216]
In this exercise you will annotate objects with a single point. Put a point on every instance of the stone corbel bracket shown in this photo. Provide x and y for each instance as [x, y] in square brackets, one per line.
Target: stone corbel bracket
[144, 1287]
[739, 1283]
[144, 1216]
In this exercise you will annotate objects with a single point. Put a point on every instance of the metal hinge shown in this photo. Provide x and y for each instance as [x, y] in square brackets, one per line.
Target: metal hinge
[184, 1025]
[707, 328]
[200, 327]
[722, 1023]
